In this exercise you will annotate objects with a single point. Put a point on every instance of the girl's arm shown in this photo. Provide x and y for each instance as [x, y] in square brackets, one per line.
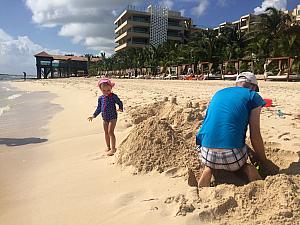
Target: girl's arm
[119, 102]
[98, 109]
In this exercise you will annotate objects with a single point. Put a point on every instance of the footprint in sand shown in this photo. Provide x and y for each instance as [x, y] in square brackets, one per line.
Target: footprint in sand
[97, 156]
[124, 199]
[100, 157]
[273, 144]
[283, 134]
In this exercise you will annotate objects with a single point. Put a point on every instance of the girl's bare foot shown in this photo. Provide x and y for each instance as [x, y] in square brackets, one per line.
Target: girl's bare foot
[111, 152]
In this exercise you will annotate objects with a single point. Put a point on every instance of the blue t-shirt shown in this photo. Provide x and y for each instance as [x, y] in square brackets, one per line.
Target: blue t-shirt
[227, 117]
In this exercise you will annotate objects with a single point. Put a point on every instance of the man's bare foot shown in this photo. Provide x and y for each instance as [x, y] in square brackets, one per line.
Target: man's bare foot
[108, 149]
[111, 152]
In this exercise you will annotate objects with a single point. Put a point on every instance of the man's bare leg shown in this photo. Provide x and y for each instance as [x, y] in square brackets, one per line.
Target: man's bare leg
[251, 172]
[205, 177]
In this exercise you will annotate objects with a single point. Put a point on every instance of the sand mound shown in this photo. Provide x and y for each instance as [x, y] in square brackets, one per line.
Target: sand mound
[272, 201]
[163, 138]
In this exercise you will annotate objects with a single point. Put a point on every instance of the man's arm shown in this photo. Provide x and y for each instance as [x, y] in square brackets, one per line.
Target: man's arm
[268, 166]
[255, 135]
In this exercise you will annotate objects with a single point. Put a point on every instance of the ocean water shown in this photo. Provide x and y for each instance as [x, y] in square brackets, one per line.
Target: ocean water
[6, 77]
[7, 96]
[23, 114]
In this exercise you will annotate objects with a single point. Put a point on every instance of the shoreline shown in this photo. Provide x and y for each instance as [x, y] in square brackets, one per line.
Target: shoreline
[26, 116]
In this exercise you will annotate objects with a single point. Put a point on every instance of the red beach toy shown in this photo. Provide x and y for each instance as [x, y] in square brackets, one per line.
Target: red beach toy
[268, 102]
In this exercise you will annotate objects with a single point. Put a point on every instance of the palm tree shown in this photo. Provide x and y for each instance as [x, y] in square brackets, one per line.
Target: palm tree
[272, 26]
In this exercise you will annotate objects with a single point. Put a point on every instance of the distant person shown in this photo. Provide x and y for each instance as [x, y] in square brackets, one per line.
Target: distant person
[190, 71]
[24, 74]
[221, 139]
[107, 106]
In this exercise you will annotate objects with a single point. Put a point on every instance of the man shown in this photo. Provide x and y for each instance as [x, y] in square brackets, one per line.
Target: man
[221, 139]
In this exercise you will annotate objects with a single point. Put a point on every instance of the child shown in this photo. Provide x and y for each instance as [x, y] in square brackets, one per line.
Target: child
[107, 106]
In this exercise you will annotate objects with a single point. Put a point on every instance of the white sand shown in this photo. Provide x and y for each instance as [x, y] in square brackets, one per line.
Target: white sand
[68, 180]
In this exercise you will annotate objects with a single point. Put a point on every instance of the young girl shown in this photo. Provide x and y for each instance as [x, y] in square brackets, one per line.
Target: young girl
[107, 106]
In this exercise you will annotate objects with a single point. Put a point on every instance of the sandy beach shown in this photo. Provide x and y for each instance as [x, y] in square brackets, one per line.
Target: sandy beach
[68, 179]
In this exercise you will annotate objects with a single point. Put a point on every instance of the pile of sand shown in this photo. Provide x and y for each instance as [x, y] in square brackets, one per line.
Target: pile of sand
[163, 138]
[275, 200]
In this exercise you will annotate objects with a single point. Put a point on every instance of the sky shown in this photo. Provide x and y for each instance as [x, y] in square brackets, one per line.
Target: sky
[86, 26]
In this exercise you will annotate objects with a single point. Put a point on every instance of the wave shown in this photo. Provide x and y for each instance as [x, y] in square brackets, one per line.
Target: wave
[6, 88]
[4, 109]
[14, 96]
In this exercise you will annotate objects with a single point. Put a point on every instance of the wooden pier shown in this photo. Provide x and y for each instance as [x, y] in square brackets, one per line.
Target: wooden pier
[49, 65]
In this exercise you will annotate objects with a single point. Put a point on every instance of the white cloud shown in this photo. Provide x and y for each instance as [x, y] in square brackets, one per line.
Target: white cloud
[80, 20]
[114, 12]
[4, 36]
[200, 8]
[278, 4]
[168, 3]
[19, 51]
[182, 11]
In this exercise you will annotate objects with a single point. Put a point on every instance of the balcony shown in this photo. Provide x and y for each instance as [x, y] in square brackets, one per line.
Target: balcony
[129, 34]
[132, 23]
[130, 45]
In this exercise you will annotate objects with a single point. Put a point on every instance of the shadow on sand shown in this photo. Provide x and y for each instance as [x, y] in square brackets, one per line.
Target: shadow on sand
[294, 167]
[21, 141]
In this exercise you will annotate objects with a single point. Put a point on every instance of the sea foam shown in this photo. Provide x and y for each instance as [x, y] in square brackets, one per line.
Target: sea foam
[6, 88]
[4, 109]
[14, 96]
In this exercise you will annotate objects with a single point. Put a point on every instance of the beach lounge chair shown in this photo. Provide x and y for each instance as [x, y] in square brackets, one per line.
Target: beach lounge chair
[230, 76]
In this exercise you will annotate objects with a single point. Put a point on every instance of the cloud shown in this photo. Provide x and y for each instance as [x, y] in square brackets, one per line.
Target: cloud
[168, 3]
[19, 51]
[4, 36]
[278, 4]
[182, 11]
[114, 12]
[222, 3]
[82, 21]
[200, 8]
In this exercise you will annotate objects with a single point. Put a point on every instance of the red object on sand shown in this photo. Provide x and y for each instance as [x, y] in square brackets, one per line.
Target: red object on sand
[268, 102]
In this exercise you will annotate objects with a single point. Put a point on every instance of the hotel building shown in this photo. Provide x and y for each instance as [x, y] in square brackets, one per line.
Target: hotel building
[139, 28]
[246, 23]
[295, 15]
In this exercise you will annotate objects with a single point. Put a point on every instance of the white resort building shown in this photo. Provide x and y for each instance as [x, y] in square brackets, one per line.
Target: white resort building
[137, 28]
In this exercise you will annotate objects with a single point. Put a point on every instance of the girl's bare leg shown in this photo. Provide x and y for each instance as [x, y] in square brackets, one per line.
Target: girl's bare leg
[106, 133]
[111, 132]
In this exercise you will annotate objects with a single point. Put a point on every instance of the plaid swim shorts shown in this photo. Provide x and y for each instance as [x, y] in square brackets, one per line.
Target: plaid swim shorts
[229, 159]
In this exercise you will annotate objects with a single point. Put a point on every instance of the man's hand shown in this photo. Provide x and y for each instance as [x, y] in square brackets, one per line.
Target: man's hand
[268, 167]
[90, 118]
